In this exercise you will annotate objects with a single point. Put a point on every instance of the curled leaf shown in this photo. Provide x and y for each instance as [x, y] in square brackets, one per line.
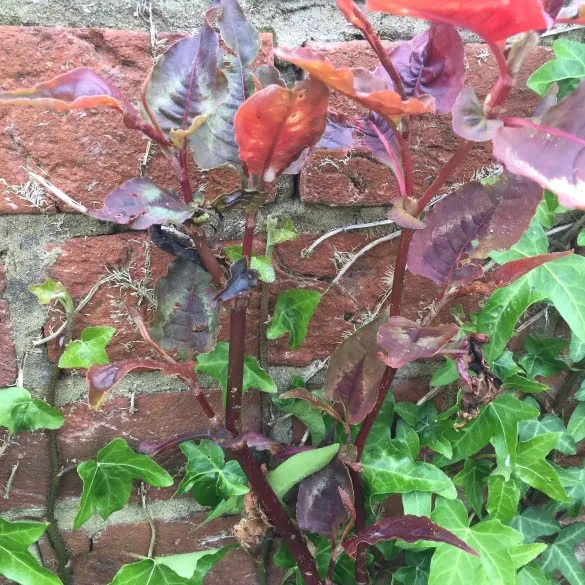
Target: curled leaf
[241, 281]
[406, 341]
[357, 84]
[247, 199]
[469, 120]
[175, 243]
[402, 214]
[315, 401]
[511, 271]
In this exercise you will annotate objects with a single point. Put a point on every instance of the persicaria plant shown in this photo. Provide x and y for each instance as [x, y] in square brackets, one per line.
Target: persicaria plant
[484, 496]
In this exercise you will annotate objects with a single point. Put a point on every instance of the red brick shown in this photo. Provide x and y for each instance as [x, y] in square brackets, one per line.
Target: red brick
[332, 178]
[8, 367]
[86, 154]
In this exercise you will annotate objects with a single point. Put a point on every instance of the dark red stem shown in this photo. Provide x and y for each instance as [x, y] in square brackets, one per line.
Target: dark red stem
[184, 176]
[207, 256]
[233, 405]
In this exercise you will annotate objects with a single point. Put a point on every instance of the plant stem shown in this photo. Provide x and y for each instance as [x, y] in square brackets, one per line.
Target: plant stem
[207, 256]
[278, 516]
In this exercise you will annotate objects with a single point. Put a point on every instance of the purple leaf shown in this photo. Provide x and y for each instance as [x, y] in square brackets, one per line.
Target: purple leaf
[339, 133]
[469, 224]
[140, 204]
[555, 159]
[185, 85]
[432, 63]
[241, 281]
[406, 341]
[469, 121]
[407, 528]
[354, 372]
[320, 508]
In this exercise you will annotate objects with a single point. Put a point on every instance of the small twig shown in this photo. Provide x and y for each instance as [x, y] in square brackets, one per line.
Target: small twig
[7, 439]
[132, 407]
[430, 395]
[58, 193]
[149, 520]
[532, 320]
[66, 470]
[8, 486]
[560, 228]
[139, 322]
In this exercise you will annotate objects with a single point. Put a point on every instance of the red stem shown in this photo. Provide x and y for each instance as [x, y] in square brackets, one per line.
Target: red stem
[233, 405]
[207, 256]
[524, 123]
[570, 21]
[184, 176]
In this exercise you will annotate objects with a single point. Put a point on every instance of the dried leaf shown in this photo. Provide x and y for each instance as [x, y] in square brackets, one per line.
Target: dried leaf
[174, 244]
[406, 341]
[358, 84]
[354, 372]
[469, 121]
[276, 124]
[241, 281]
[511, 271]
[469, 224]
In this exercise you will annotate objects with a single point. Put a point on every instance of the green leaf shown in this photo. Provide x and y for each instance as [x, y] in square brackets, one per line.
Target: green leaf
[445, 374]
[182, 569]
[517, 383]
[472, 480]
[541, 357]
[525, 553]
[279, 230]
[580, 394]
[293, 311]
[576, 349]
[503, 498]
[491, 539]
[216, 362]
[532, 468]
[581, 238]
[417, 503]
[20, 412]
[52, 290]
[263, 264]
[576, 425]
[208, 475]
[534, 523]
[573, 480]
[568, 65]
[505, 366]
[299, 466]
[107, 479]
[533, 575]
[560, 555]
[548, 424]
[533, 243]
[547, 211]
[310, 417]
[16, 562]
[89, 350]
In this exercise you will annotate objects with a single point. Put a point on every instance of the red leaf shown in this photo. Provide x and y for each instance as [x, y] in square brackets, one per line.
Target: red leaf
[140, 204]
[276, 124]
[469, 224]
[102, 379]
[354, 372]
[511, 271]
[358, 84]
[494, 20]
[406, 341]
[407, 528]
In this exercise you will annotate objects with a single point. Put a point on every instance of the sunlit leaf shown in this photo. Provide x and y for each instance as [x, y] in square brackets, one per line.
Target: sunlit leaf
[89, 350]
[503, 498]
[549, 424]
[52, 290]
[309, 416]
[20, 412]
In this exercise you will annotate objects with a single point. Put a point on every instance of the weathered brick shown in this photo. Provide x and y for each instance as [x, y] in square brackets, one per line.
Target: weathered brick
[333, 178]
[8, 367]
[85, 153]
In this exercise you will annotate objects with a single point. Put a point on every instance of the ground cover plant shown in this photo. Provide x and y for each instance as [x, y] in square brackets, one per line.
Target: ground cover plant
[484, 496]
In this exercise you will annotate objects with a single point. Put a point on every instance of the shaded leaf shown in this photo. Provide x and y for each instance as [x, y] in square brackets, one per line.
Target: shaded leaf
[242, 280]
[533, 575]
[549, 423]
[576, 424]
[309, 416]
[186, 319]
[445, 374]
[357, 84]
[354, 372]
[292, 314]
[238, 32]
[261, 264]
[20, 412]
[472, 480]
[247, 199]
[174, 244]
[314, 400]
[511, 271]
[534, 523]
[276, 124]
[560, 555]
[403, 214]
[107, 480]
[541, 357]
[89, 350]
[139, 203]
[406, 341]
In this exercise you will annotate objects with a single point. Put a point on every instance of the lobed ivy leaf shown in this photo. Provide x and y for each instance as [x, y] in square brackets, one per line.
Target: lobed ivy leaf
[261, 264]
[292, 313]
[52, 290]
[573, 480]
[215, 363]
[139, 203]
[315, 401]
[307, 414]
[525, 553]
[503, 498]
[535, 523]
[533, 575]
[89, 350]
[20, 412]
[549, 423]
[580, 394]
[354, 372]
[281, 231]
[560, 555]
[445, 374]
[107, 480]
[472, 480]
[576, 424]
[541, 358]
[417, 503]
[16, 562]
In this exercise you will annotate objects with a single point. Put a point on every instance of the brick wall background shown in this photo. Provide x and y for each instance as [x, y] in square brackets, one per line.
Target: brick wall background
[86, 155]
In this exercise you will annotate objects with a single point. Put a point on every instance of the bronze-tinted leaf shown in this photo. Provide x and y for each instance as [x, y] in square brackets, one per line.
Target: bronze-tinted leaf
[354, 372]
[276, 124]
[320, 508]
[555, 159]
[185, 85]
[407, 528]
[139, 203]
[186, 318]
[469, 120]
[358, 84]
[405, 341]
[469, 224]
[315, 401]
[241, 281]
[433, 63]
[511, 271]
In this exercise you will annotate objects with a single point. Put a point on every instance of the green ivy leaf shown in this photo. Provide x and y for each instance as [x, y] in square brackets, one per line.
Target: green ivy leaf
[533, 242]
[52, 290]
[208, 475]
[580, 394]
[216, 362]
[541, 357]
[525, 553]
[534, 523]
[573, 480]
[547, 211]
[310, 417]
[548, 424]
[503, 498]
[107, 479]
[20, 412]
[445, 374]
[416, 572]
[472, 480]
[293, 311]
[517, 383]
[560, 555]
[16, 562]
[576, 349]
[576, 425]
[417, 503]
[183, 569]
[280, 230]
[581, 238]
[263, 264]
[533, 575]
[300, 466]
[89, 350]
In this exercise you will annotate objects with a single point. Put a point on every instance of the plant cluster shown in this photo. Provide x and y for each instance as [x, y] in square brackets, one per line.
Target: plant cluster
[484, 496]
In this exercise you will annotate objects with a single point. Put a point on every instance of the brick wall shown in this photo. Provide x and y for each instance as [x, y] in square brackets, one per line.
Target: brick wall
[86, 155]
